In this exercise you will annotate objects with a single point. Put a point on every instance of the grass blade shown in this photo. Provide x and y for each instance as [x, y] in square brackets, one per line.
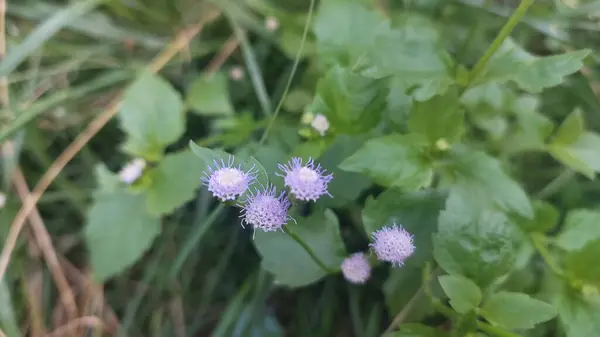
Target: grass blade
[43, 32]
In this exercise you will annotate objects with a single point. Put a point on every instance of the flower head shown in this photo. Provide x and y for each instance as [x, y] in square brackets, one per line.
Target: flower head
[393, 244]
[320, 123]
[266, 210]
[306, 182]
[227, 182]
[132, 171]
[356, 268]
[2, 200]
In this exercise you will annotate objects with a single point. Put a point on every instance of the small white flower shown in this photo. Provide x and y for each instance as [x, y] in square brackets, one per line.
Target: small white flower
[272, 24]
[132, 171]
[320, 123]
[2, 200]
[237, 73]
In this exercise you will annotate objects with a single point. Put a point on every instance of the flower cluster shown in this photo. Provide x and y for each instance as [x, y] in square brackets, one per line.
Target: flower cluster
[265, 208]
[391, 244]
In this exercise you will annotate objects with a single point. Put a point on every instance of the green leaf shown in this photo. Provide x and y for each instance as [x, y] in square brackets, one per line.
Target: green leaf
[417, 212]
[582, 156]
[517, 310]
[531, 73]
[440, 117]
[209, 96]
[410, 54]
[580, 228]
[174, 182]
[351, 102]
[208, 155]
[478, 244]
[463, 293]
[479, 178]
[571, 129]
[345, 186]
[576, 148]
[289, 262]
[545, 218]
[550, 71]
[394, 160]
[416, 330]
[581, 263]
[579, 316]
[118, 231]
[532, 128]
[397, 53]
[346, 29]
[152, 116]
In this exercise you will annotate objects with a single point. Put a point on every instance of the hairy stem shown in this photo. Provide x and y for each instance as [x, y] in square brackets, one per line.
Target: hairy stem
[502, 35]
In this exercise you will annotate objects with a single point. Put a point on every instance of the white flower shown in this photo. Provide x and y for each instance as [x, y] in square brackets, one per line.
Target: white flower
[272, 24]
[320, 123]
[237, 73]
[2, 200]
[132, 171]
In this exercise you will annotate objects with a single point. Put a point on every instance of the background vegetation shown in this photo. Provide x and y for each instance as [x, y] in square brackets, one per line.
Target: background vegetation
[473, 123]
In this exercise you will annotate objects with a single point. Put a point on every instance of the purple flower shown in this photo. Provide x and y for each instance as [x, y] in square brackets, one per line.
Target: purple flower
[226, 182]
[356, 268]
[393, 244]
[306, 182]
[266, 210]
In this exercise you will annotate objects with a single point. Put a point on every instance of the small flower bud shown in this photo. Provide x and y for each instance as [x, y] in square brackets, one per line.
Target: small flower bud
[320, 123]
[307, 117]
[393, 244]
[2, 200]
[226, 182]
[306, 182]
[356, 268]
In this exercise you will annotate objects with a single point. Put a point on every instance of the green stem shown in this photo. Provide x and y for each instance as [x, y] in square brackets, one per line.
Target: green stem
[308, 250]
[537, 239]
[311, 10]
[556, 184]
[502, 35]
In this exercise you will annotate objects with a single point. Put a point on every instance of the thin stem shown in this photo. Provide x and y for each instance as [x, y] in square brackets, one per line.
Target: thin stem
[403, 314]
[311, 9]
[545, 254]
[556, 184]
[502, 35]
[308, 250]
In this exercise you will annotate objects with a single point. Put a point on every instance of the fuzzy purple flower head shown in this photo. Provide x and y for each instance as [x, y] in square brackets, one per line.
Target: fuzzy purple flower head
[306, 182]
[227, 182]
[356, 268]
[393, 244]
[266, 210]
